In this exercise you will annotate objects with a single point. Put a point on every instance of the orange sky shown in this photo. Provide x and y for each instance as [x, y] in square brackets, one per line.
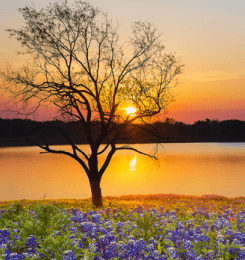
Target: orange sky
[208, 37]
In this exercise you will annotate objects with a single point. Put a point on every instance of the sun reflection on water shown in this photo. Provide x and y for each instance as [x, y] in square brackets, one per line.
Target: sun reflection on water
[132, 164]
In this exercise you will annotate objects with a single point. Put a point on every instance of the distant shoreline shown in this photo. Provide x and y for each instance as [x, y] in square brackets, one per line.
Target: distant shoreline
[180, 142]
[12, 132]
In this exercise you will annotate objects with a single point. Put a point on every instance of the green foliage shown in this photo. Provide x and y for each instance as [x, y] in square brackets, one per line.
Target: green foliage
[147, 226]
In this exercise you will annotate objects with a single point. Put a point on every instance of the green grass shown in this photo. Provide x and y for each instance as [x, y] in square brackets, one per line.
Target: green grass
[127, 202]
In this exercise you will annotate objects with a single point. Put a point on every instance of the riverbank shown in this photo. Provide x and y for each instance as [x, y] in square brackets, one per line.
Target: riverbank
[127, 202]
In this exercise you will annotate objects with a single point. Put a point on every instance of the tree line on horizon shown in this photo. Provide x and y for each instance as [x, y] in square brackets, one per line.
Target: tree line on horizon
[12, 132]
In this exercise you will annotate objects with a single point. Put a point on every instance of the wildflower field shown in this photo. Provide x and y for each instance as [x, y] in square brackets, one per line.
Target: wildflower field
[128, 227]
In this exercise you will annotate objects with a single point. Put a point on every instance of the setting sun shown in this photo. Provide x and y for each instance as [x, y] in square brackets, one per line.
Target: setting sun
[130, 110]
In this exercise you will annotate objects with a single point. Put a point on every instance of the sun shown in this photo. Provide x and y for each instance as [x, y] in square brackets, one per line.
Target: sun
[130, 110]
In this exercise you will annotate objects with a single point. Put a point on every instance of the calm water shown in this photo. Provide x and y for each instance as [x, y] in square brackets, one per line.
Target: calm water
[190, 169]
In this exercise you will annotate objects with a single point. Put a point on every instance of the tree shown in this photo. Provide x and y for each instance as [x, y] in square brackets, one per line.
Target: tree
[80, 67]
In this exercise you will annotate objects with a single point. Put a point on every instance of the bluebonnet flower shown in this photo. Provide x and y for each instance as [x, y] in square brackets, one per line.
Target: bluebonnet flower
[75, 211]
[179, 225]
[188, 245]
[111, 236]
[233, 251]
[178, 243]
[73, 229]
[204, 238]
[4, 233]
[214, 227]
[153, 255]
[5, 248]
[14, 256]
[72, 236]
[210, 255]
[108, 229]
[16, 237]
[185, 235]
[101, 230]
[172, 252]
[122, 235]
[237, 235]
[118, 229]
[86, 226]
[150, 248]
[153, 212]
[102, 242]
[131, 249]
[92, 212]
[93, 235]
[228, 232]
[241, 254]
[220, 239]
[180, 232]
[108, 223]
[120, 224]
[79, 217]
[190, 255]
[198, 229]
[140, 210]
[152, 241]
[191, 231]
[95, 218]
[81, 242]
[172, 215]
[31, 242]
[189, 223]
[31, 250]
[107, 211]
[111, 251]
[68, 255]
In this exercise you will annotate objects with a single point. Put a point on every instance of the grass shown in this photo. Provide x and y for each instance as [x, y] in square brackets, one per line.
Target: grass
[127, 202]
[157, 227]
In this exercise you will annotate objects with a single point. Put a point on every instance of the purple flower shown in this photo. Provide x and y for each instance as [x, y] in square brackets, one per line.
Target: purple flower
[188, 245]
[95, 218]
[111, 251]
[68, 255]
[4, 233]
[31, 242]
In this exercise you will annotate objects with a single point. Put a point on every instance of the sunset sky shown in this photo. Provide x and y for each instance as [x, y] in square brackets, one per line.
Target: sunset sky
[207, 36]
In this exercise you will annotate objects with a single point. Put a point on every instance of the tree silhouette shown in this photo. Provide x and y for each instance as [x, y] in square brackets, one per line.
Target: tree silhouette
[80, 67]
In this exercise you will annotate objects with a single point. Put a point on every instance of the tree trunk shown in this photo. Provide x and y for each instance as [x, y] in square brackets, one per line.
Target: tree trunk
[96, 193]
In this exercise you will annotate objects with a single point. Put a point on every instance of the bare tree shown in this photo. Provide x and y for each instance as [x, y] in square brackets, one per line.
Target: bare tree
[80, 67]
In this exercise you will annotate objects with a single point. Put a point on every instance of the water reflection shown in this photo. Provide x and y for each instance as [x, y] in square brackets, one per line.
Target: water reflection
[132, 165]
[190, 169]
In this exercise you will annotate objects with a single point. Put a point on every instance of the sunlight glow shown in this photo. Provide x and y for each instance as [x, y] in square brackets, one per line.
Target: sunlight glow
[130, 110]
[132, 165]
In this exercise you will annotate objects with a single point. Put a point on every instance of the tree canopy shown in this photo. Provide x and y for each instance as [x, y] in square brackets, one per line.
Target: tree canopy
[80, 66]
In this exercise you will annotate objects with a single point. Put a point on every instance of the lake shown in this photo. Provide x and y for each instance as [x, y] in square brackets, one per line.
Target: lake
[188, 168]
